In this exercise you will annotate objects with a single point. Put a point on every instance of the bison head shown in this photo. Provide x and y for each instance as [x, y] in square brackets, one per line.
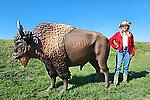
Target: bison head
[23, 45]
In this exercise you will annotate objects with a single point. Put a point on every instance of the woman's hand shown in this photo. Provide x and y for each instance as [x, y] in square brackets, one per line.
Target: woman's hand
[131, 56]
[115, 44]
[116, 47]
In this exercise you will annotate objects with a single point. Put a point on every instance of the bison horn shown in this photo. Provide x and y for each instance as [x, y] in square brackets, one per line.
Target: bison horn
[20, 29]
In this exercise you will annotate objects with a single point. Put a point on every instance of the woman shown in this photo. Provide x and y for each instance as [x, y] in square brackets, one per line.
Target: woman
[123, 42]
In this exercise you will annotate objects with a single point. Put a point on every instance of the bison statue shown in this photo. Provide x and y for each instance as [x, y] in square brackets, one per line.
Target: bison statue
[61, 46]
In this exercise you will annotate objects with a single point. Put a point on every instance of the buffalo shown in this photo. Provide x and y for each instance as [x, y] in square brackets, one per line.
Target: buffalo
[61, 46]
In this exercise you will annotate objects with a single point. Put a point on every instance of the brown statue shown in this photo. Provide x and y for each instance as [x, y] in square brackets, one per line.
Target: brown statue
[61, 46]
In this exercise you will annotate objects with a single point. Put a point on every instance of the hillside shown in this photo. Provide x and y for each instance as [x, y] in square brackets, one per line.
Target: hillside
[30, 83]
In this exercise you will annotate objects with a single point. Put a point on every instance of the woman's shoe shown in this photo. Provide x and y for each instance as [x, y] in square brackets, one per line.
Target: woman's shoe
[115, 80]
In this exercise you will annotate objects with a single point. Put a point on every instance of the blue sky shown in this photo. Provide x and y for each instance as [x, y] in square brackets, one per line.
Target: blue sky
[98, 15]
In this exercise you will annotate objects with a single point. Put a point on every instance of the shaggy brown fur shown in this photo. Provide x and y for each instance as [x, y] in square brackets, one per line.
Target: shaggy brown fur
[52, 40]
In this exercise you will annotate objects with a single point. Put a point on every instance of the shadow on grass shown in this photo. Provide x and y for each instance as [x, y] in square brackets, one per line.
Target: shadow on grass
[77, 81]
[134, 75]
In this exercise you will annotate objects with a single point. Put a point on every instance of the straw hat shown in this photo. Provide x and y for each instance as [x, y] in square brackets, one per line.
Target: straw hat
[125, 23]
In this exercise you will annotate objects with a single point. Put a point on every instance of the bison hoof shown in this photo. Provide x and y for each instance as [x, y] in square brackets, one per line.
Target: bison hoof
[106, 86]
[50, 88]
[63, 91]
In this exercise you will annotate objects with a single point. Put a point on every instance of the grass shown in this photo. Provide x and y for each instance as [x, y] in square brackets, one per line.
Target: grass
[30, 83]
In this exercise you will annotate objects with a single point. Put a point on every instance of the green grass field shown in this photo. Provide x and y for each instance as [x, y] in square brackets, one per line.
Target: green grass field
[30, 83]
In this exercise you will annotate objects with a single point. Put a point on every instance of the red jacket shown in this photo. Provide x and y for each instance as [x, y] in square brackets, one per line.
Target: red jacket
[116, 42]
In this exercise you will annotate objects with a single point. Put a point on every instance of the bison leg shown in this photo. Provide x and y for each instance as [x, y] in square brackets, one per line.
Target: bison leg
[103, 65]
[94, 63]
[65, 86]
[63, 73]
[105, 70]
[53, 74]
[106, 73]
[52, 86]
